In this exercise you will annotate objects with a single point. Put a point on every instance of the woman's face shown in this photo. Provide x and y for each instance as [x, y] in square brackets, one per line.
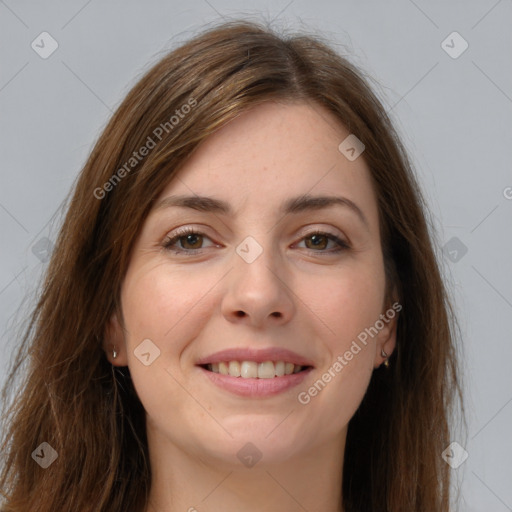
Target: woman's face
[272, 280]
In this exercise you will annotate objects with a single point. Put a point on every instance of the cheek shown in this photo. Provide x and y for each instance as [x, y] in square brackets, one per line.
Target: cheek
[346, 301]
[169, 307]
[348, 304]
[334, 397]
[162, 303]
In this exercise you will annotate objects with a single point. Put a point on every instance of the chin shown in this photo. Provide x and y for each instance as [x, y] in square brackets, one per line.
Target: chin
[265, 439]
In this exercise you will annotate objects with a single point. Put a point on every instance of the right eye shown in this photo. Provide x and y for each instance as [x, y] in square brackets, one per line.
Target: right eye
[188, 238]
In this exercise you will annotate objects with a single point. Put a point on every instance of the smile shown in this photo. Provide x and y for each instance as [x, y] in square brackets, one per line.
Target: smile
[253, 370]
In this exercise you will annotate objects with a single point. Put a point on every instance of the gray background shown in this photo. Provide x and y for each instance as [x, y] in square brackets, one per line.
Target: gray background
[454, 115]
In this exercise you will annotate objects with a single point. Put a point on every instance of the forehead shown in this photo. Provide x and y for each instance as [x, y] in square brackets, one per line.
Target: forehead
[271, 153]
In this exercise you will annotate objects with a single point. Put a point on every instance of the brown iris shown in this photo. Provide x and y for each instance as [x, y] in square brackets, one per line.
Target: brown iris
[194, 241]
[319, 241]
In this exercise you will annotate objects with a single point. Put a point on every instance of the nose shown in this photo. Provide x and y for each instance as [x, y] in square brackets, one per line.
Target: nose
[257, 293]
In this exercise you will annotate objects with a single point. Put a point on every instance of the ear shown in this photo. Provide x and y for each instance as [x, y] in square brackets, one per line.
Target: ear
[386, 337]
[114, 339]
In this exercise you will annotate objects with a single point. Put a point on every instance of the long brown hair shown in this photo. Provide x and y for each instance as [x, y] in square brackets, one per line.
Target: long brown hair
[88, 411]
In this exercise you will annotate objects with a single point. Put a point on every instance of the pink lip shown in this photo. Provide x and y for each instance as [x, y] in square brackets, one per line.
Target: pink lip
[256, 355]
[255, 388]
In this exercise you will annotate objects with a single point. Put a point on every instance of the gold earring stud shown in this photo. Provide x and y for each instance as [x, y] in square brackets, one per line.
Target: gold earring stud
[384, 354]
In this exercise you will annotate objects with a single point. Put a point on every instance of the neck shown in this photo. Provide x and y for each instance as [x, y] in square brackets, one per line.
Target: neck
[182, 482]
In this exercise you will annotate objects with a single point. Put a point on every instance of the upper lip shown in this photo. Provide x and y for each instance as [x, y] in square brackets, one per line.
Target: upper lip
[259, 355]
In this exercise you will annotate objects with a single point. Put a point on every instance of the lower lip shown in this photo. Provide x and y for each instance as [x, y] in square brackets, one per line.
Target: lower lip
[256, 388]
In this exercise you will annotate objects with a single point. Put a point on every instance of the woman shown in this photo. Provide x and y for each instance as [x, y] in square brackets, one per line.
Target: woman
[243, 296]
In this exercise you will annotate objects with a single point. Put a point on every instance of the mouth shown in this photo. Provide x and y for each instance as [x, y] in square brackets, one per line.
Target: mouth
[255, 373]
[254, 370]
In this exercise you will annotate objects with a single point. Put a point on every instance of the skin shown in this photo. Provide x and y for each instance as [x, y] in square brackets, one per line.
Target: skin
[295, 295]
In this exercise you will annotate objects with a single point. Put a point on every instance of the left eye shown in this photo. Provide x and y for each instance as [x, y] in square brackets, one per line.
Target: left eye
[320, 240]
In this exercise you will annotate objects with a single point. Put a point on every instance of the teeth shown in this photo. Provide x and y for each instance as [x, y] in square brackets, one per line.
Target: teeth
[249, 370]
[266, 370]
[223, 368]
[252, 370]
[234, 368]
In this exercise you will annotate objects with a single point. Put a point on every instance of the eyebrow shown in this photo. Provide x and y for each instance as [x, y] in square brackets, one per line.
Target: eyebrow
[295, 205]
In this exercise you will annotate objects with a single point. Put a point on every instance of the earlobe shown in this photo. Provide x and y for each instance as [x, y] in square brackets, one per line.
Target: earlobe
[385, 356]
[386, 339]
[114, 343]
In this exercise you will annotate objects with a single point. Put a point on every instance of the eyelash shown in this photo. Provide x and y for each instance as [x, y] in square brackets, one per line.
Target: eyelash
[170, 241]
